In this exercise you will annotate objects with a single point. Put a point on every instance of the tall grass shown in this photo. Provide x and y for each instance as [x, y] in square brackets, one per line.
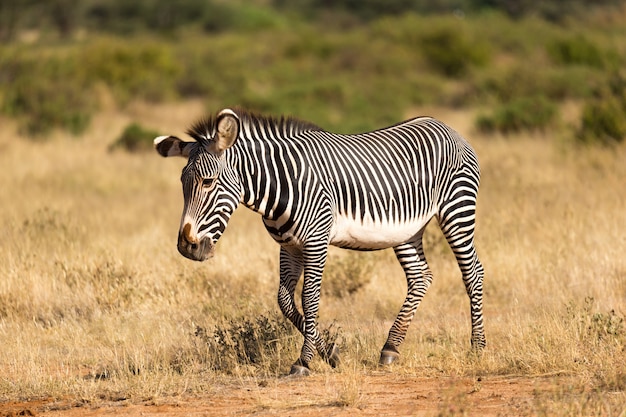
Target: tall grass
[95, 302]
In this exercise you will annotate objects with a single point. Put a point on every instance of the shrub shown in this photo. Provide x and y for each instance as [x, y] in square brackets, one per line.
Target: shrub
[448, 50]
[577, 50]
[604, 121]
[346, 275]
[598, 335]
[137, 70]
[247, 341]
[135, 138]
[263, 341]
[125, 17]
[525, 113]
[43, 105]
[38, 94]
[594, 326]
[524, 80]
[55, 90]
[447, 45]
[603, 117]
[224, 16]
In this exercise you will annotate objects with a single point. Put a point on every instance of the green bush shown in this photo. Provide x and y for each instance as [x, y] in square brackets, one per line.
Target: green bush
[44, 94]
[576, 50]
[525, 113]
[603, 120]
[135, 138]
[223, 16]
[43, 105]
[131, 70]
[46, 90]
[524, 80]
[124, 17]
[449, 51]
[344, 81]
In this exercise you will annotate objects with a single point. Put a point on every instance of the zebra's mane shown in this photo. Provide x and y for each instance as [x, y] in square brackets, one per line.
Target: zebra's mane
[204, 129]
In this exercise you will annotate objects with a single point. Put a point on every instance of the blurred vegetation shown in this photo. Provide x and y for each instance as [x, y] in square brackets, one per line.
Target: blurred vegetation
[135, 138]
[345, 65]
[523, 113]
[602, 117]
[347, 274]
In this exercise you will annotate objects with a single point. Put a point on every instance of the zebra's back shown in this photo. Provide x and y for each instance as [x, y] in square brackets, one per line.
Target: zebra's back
[386, 185]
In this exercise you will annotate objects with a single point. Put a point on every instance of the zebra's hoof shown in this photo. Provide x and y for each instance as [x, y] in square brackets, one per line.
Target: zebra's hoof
[299, 370]
[332, 357]
[387, 357]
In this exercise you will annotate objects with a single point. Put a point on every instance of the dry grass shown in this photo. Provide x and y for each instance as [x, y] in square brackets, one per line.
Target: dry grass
[96, 304]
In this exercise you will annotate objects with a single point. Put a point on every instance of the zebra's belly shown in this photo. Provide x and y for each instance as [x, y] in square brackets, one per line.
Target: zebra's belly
[369, 235]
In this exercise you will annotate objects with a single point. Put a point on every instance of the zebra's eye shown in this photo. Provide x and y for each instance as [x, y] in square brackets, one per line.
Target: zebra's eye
[208, 183]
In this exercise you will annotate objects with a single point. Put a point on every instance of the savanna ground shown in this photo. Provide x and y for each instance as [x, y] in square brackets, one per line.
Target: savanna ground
[100, 315]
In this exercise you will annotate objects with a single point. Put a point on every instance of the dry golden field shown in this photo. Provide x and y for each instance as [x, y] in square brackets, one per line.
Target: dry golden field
[100, 314]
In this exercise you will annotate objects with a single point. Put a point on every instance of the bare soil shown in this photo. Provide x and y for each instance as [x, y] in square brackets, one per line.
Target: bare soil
[376, 394]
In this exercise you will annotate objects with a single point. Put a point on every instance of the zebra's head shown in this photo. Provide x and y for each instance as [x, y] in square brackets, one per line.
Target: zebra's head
[211, 188]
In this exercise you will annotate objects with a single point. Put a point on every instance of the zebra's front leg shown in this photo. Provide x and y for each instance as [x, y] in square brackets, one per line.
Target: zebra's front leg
[418, 276]
[291, 266]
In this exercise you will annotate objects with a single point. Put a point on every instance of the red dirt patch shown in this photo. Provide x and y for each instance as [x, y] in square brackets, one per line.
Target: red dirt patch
[329, 395]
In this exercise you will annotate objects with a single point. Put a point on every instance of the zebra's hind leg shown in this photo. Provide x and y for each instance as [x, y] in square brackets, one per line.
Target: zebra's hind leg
[462, 244]
[291, 267]
[457, 224]
[418, 276]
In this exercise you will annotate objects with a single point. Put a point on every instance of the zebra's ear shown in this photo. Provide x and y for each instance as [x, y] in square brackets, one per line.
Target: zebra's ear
[227, 130]
[172, 146]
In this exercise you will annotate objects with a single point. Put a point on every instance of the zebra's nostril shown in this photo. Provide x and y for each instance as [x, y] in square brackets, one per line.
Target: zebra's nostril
[194, 246]
[187, 232]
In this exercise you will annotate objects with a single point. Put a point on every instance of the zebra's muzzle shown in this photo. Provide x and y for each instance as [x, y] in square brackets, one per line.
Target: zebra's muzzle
[196, 250]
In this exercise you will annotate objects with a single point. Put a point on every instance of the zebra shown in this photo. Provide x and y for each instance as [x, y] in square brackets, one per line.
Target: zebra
[314, 188]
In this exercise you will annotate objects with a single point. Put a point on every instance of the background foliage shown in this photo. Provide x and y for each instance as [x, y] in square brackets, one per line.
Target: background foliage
[345, 65]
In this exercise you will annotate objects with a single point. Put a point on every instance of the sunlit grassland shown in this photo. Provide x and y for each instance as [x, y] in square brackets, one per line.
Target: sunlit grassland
[96, 303]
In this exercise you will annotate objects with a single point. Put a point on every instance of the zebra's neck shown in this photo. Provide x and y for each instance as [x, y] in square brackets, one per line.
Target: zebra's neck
[266, 169]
